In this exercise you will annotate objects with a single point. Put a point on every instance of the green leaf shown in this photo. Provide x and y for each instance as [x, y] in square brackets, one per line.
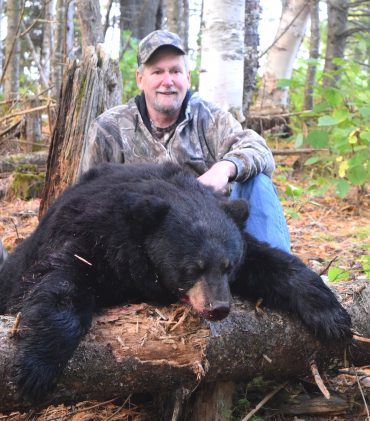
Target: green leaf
[293, 190]
[336, 274]
[342, 188]
[327, 120]
[333, 96]
[364, 111]
[312, 160]
[322, 106]
[299, 140]
[365, 136]
[341, 115]
[357, 175]
[318, 138]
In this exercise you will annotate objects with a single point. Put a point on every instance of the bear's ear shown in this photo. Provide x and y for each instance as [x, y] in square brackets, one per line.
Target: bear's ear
[149, 212]
[238, 210]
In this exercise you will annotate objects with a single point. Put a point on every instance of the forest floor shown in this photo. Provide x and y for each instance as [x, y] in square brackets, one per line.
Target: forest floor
[326, 232]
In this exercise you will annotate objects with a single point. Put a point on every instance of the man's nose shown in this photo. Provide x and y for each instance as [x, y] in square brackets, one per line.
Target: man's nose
[167, 79]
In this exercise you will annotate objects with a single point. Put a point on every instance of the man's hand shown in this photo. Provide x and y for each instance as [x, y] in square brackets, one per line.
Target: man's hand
[219, 175]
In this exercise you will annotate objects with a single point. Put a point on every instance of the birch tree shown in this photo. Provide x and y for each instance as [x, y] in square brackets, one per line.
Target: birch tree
[281, 56]
[12, 50]
[47, 39]
[1, 43]
[314, 54]
[222, 54]
[251, 41]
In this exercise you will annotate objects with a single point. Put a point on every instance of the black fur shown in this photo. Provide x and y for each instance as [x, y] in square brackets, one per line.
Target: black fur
[144, 232]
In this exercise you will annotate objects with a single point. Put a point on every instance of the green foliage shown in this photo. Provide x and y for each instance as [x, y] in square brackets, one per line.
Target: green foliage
[339, 123]
[128, 65]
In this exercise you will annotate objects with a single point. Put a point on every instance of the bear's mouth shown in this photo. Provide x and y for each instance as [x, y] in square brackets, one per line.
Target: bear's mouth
[213, 312]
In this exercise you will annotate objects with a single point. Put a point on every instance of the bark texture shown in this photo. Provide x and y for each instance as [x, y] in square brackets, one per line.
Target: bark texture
[314, 54]
[223, 54]
[88, 90]
[336, 39]
[58, 53]
[12, 50]
[90, 21]
[141, 17]
[251, 41]
[281, 56]
[177, 12]
[141, 348]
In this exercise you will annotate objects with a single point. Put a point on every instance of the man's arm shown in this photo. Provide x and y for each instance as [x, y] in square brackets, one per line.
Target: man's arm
[241, 154]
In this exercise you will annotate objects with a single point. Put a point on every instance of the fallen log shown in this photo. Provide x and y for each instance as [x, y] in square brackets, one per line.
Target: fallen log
[141, 348]
[10, 163]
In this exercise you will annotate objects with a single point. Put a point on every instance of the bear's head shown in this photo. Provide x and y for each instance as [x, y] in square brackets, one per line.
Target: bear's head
[197, 250]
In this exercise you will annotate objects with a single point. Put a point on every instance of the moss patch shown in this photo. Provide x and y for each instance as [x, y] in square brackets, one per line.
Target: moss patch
[27, 182]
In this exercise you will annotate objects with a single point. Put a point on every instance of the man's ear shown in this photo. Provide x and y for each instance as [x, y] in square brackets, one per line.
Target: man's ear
[139, 79]
[238, 210]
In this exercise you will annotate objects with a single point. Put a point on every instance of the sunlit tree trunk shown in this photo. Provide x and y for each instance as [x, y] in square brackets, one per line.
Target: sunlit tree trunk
[281, 56]
[12, 50]
[1, 42]
[58, 57]
[222, 62]
[70, 29]
[47, 39]
[314, 54]
[251, 41]
[177, 12]
[336, 39]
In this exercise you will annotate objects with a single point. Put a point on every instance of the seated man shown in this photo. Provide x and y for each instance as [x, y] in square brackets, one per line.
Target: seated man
[168, 122]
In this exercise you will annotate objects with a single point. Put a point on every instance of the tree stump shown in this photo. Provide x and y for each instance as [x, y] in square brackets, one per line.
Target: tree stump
[88, 89]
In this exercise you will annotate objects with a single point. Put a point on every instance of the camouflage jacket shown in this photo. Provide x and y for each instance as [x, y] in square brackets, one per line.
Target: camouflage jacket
[204, 135]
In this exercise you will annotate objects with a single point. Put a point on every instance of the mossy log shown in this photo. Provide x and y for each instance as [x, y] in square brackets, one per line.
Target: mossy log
[160, 350]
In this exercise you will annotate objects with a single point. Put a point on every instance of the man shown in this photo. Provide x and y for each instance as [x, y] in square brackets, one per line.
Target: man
[167, 122]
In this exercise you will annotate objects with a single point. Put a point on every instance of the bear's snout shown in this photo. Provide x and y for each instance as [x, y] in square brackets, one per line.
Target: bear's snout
[212, 303]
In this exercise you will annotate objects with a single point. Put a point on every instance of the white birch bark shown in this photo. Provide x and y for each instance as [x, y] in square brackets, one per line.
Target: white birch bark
[221, 74]
[47, 39]
[70, 29]
[12, 51]
[281, 56]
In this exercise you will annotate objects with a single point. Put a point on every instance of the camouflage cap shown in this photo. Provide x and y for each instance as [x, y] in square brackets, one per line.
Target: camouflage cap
[154, 40]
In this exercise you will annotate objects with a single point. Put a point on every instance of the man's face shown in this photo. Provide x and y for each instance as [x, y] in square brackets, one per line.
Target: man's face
[164, 82]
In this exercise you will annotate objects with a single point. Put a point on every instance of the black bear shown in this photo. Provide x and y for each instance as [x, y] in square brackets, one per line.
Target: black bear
[144, 232]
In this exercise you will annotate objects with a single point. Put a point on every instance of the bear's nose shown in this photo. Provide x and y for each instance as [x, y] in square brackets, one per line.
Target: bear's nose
[218, 312]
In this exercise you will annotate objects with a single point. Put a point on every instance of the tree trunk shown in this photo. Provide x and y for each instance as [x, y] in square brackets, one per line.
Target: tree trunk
[90, 22]
[140, 17]
[88, 90]
[336, 40]
[10, 163]
[47, 40]
[314, 54]
[70, 29]
[12, 51]
[281, 56]
[223, 54]
[157, 350]
[1, 41]
[251, 42]
[58, 56]
[177, 12]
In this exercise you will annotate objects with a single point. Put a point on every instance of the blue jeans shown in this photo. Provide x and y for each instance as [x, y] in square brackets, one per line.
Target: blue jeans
[266, 219]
